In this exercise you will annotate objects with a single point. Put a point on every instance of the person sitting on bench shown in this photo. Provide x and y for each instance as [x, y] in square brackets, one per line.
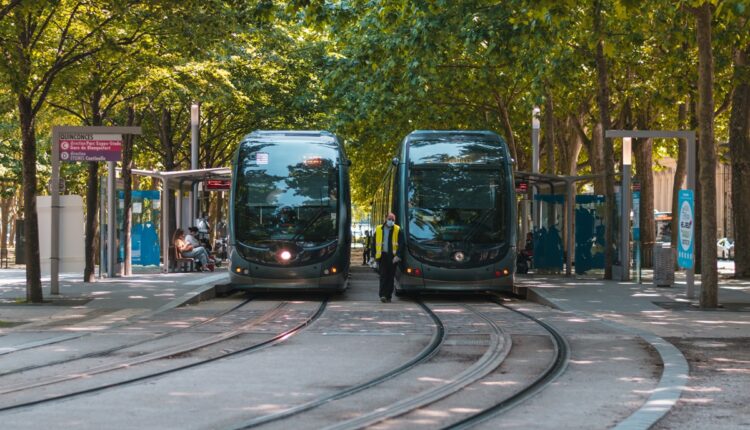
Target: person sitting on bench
[187, 250]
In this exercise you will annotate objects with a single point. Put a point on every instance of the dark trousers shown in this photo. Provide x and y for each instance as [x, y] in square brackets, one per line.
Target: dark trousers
[387, 271]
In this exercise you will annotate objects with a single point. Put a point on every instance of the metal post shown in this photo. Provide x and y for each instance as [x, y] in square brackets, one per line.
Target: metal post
[535, 161]
[638, 261]
[570, 187]
[178, 207]
[690, 186]
[195, 116]
[55, 215]
[111, 220]
[102, 222]
[625, 220]
[165, 239]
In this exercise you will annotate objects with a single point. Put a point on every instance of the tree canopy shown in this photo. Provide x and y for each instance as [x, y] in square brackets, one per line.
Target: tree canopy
[370, 71]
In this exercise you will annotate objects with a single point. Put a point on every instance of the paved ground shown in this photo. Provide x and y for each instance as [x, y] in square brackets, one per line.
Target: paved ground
[713, 344]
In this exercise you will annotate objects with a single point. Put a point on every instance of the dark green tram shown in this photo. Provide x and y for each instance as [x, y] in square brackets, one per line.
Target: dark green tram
[290, 212]
[454, 196]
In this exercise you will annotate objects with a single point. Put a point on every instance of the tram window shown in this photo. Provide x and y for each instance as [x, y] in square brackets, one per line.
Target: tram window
[288, 202]
[457, 204]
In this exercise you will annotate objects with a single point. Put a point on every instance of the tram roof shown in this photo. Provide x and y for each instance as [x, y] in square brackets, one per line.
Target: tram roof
[316, 136]
[431, 134]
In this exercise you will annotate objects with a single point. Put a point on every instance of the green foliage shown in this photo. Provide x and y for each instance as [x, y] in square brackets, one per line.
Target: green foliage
[370, 71]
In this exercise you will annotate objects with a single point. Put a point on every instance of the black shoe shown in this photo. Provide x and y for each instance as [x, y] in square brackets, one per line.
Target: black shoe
[388, 299]
[384, 299]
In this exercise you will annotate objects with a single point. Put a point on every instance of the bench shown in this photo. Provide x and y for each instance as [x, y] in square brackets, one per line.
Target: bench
[180, 263]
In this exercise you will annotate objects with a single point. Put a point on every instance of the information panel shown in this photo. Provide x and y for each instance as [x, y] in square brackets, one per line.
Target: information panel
[90, 147]
[686, 225]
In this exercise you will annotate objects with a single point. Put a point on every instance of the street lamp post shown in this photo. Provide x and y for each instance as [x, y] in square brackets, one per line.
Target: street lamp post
[195, 117]
[535, 159]
[626, 196]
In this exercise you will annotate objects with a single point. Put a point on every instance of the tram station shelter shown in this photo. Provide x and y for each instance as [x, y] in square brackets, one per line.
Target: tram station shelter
[550, 190]
[181, 181]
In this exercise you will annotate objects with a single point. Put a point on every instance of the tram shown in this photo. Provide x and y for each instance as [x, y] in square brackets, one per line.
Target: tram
[290, 212]
[454, 197]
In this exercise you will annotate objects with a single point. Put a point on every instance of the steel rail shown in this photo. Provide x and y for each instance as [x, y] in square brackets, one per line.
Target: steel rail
[127, 345]
[500, 345]
[425, 354]
[552, 372]
[252, 348]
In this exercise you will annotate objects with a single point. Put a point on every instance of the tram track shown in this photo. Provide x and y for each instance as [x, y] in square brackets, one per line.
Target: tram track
[167, 354]
[497, 350]
[556, 368]
[120, 347]
[489, 363]
[147, 357]
[438, 338]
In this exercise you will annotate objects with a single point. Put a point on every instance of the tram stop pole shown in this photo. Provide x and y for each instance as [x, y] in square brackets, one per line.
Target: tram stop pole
[96, 143]
[689, 136]
[625, 217]
[535, 163]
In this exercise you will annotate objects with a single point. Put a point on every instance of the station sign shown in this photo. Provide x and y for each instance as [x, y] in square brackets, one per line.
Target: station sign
[90, 147]
[218, 184]
[686, 225]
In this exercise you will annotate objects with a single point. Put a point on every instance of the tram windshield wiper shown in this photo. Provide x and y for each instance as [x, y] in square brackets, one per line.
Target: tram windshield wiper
[480, 221]
[310, 223]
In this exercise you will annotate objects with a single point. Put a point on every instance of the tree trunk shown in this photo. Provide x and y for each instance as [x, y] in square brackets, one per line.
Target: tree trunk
[127, 184]
[597, 159]
[92, 208]
[166, 139]
[508, 128]
[5, 210]
[549, 146]
[739, 150]
[609, 163]
[31, 223]
[14, 216]
[92, 196]
[644, 174]
[707, 156]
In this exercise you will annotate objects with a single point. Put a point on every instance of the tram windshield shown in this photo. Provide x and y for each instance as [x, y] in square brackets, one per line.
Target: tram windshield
[282, 195]
[457, 203]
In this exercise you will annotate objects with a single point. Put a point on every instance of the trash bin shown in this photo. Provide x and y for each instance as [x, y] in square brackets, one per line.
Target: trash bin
[663, 265]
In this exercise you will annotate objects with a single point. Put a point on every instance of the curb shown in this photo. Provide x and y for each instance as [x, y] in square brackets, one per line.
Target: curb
[675, 369]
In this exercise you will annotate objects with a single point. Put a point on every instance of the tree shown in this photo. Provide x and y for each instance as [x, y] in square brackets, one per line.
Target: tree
[707, 154]
[739, 148]
[39, 40]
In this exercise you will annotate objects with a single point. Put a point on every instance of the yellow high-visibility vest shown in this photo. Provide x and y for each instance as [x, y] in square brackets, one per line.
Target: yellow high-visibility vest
[379, 240]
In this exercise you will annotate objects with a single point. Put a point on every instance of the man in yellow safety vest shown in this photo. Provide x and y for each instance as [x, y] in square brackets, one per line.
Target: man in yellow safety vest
[389, 243]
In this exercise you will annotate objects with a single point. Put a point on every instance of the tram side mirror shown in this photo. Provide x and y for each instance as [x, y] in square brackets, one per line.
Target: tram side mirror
[394, 161]
[348, 162]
